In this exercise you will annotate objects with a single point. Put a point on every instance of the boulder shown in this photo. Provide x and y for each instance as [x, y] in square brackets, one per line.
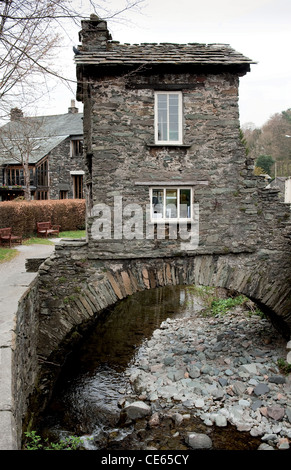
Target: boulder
[137, 409]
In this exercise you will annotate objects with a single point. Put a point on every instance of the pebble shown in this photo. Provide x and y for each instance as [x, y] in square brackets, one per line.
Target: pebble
[199, 441]
[223, 370]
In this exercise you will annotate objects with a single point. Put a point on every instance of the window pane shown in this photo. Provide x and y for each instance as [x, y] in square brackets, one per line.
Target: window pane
[185, 203]
[171, 203]
[162, 117]
[173, 117]
[157, 203]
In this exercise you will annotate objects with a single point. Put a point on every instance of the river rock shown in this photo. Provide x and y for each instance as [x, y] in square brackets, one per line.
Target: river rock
[283, 443]
[198, 441]
[276, 412]
[265, 447]
[250, 369]
[220, 421]
[238, 388]
[277, 379]
[154, 420]
[261, 389]
[137, 409]
[193, 371]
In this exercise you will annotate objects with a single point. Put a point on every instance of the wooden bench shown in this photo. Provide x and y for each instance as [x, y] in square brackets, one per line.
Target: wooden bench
[46, 229]
[6, 236]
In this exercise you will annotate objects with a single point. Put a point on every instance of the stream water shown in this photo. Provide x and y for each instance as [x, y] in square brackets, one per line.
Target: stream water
[94, 379]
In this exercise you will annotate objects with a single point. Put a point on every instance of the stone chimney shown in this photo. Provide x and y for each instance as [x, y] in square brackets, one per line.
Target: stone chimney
[16, 114]
[73, 109]
[94, 34]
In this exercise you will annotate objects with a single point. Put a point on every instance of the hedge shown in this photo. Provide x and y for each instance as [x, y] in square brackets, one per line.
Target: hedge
[22, 215]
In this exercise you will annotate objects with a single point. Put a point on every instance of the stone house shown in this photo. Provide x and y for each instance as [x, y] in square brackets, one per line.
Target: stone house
[162, 138]
[55, 157]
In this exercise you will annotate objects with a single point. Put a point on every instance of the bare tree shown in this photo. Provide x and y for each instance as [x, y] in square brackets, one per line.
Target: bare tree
[19, 141]
[30, 35]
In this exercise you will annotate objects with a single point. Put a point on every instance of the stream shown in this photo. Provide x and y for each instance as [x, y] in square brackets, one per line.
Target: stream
[86, 399]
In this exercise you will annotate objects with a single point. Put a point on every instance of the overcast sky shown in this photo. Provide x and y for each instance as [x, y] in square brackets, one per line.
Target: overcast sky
[259, 29]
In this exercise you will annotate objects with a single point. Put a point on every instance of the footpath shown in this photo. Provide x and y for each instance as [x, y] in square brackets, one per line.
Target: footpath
[15, 281]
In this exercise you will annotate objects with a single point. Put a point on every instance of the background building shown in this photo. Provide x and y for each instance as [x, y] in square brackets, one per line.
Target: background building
[53, 149]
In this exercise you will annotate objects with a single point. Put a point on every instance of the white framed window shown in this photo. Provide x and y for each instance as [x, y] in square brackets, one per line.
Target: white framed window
[168, 117]
[171, 204]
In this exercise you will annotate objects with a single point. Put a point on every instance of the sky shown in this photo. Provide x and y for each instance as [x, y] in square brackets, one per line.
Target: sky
[259, 29]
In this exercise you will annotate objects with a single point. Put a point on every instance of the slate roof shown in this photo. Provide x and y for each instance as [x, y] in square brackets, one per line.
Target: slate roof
[163, 53]
[47, 133]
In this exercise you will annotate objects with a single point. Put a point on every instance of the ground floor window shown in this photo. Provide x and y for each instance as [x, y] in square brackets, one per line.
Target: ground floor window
[42, 195]
[63, 194]
[169, 204]
[14, 176]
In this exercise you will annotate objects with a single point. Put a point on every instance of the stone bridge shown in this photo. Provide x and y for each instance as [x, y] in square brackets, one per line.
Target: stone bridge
[75, 287]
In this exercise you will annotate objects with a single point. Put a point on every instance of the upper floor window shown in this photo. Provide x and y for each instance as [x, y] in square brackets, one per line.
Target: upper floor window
[171, 204]
[168, 117]
[76, 147]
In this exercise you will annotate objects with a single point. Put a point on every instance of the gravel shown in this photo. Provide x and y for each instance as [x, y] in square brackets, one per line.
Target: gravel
[223, 370]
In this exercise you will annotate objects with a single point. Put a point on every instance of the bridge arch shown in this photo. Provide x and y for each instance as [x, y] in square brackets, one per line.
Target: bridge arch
[75, 289]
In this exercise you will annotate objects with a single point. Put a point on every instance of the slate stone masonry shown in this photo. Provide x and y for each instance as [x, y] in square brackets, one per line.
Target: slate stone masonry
[117, 84]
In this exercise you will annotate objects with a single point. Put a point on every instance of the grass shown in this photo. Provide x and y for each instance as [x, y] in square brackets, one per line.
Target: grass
[6, 254]
[37, 241]
[284, 367]
[47, 241]
[73, 234]
[220, 306]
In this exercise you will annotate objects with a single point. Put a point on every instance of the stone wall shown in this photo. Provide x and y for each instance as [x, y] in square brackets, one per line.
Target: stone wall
[61, 162]
[25, 364]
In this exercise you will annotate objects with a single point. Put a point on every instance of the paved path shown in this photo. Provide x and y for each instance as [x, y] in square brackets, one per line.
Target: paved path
[14, 283]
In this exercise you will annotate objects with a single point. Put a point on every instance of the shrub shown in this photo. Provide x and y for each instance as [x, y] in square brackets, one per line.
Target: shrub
[22, 215]
[222, 306]
[35, 443]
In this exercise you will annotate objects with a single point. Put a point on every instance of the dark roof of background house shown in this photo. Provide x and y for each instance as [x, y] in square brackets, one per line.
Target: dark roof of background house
[48, 132]
[163, 53]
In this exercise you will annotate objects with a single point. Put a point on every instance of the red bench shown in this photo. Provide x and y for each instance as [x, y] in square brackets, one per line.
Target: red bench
[46, 229]
[6, 236]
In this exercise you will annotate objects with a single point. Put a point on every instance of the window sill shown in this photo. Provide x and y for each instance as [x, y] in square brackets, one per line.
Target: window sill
[170, 222]
[186, 146]
[169, 183]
